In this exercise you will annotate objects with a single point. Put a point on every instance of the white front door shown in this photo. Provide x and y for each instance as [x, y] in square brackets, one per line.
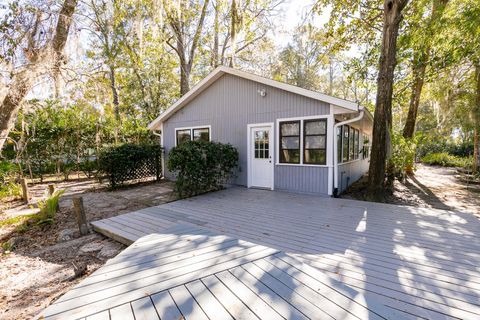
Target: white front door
[261, 156]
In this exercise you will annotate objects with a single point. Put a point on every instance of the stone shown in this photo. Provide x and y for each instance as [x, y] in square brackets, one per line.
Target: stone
[90, 248]
[110, 249]
[66, 235]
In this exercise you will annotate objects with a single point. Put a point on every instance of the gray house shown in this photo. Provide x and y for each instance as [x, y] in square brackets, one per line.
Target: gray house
[288, 138]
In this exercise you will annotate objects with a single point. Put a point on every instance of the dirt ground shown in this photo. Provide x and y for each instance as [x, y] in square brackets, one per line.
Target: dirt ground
[42, 264]
[431, 187]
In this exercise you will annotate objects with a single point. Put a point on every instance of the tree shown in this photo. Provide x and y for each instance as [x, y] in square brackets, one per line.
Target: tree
[186, 35]
[421, 56]
[382, 124]
[38, 51]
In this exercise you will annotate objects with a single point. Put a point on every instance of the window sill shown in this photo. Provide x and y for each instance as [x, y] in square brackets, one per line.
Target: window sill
[302, 165]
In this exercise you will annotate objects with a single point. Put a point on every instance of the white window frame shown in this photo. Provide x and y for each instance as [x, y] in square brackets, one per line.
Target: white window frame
[209, 127]
[301, 119]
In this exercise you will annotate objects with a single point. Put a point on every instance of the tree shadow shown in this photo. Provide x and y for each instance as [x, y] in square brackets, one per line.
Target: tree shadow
[425, 193]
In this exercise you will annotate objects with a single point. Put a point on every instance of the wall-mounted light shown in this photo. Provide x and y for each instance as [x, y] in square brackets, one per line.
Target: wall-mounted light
[262, 92]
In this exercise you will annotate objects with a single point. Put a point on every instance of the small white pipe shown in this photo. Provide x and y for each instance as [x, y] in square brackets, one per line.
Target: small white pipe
[335, 149]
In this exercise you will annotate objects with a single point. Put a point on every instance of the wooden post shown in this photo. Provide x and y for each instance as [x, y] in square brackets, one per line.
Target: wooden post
[51, 189]
[80, 215]
[25, 193]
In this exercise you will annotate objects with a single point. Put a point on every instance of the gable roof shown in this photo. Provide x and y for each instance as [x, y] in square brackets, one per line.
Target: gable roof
[220, 71]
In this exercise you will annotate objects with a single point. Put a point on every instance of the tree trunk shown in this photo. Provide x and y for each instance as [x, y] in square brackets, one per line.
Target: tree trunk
[23, 81]
[116, 104]
[420, 61]
[418, 72]
[476, 116]
[216, 27]
[383, 107]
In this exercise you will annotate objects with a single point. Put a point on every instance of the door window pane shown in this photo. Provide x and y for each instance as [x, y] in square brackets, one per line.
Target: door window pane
[261, 144]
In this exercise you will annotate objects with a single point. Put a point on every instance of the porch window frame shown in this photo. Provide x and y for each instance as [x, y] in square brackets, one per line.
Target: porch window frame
[278, 140]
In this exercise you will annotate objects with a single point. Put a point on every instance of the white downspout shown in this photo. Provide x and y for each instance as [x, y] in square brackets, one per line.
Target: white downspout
[335, 149]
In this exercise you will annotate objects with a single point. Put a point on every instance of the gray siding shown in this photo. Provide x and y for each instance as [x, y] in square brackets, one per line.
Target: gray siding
[301, 179]
[229, 105]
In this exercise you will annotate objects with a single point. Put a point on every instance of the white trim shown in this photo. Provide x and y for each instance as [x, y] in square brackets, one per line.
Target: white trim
[220, 71]
[301, 119]
[209, 127]
[249, 152]
[335, 146]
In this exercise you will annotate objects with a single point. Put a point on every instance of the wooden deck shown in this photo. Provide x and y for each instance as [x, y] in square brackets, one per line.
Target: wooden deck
[243, 253]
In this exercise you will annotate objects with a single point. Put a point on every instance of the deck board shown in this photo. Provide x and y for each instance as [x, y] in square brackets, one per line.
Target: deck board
[255, 254]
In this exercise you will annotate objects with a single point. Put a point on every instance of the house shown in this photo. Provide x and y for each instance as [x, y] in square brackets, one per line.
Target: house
[288, 138]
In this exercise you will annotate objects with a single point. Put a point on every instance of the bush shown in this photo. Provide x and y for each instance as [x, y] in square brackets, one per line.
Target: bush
[130, 162]
[446, 160]
[89, 167]
[428, 145]
[202, 166]
[402, 159]
[7, 170]
[49, 207]
[10, 189]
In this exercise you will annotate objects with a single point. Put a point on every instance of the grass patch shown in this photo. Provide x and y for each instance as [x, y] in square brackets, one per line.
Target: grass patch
[10, 190]
[17, 220]
[447, 160]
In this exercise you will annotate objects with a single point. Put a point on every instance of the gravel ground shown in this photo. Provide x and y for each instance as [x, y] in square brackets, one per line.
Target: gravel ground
[431, 187]
[41, 266]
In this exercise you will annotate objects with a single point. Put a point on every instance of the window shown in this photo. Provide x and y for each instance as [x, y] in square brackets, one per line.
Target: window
[187, 134]
[356, 144]
[183, 136]
[261, 144]
[202, 134]
[315, 141]
[290, 142]
[345, 141]
[339, 143]
[351, 142]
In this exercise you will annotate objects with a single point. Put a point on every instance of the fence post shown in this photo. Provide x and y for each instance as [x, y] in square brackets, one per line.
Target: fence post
[25, 193]
[80, 215]
[157, 167]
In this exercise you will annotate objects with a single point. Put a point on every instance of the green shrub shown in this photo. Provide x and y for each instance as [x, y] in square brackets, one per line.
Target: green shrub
[89, 167]
[10, 189]
[7, 170]
[446, 160]
[402, 160]
[202, 166]
[49, 207]
[130, 162]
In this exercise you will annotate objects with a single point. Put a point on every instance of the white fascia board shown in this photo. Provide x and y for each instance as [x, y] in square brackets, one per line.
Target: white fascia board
[218, 72]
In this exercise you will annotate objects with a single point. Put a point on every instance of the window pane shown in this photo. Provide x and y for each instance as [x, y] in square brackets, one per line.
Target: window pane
[351, 143]
[183, 136]
[315, 127]
[315, 142]
[201, 134]
[314, 156]
[290, 128]
[339, 144]
[290, 143]
[290, 156]
[345, 143]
